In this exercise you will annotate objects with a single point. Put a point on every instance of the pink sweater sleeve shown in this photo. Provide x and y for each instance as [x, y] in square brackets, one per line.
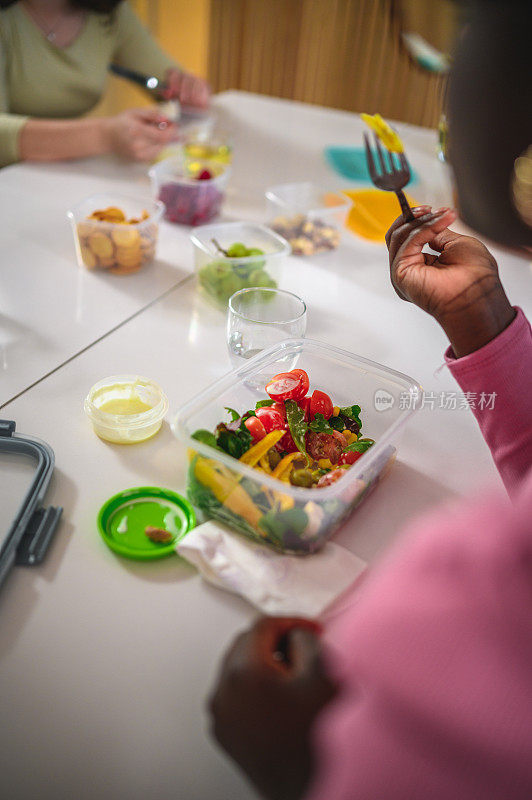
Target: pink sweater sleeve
[498, 378]
[434, 662]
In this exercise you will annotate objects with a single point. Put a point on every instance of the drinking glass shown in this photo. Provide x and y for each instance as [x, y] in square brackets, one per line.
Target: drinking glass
[259, 318]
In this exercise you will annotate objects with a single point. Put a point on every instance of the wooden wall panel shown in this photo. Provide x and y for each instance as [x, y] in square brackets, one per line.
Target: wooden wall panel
[340, 53]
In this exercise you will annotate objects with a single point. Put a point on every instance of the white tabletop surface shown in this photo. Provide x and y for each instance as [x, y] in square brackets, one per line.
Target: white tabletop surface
[105, 663]
[51, 309]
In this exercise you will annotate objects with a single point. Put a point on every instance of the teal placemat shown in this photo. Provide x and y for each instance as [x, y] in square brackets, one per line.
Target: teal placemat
[350, 163]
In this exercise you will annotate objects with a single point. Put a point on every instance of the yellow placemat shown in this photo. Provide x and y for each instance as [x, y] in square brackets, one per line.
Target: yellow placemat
[373, 212]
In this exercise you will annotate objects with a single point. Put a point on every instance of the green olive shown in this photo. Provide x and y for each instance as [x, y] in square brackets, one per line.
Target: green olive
[274, 457]
[301, 477]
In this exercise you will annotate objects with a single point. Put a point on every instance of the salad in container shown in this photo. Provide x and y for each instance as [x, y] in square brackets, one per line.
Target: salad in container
[283, 448]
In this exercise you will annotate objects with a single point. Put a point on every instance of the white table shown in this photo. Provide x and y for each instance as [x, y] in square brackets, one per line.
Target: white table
[50, 309]
[105, 663]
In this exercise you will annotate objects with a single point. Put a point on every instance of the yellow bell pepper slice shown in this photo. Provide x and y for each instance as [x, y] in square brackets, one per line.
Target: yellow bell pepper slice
[284, 464]
[227, 490]
[255, 453]
[386, 134]
[265, 465]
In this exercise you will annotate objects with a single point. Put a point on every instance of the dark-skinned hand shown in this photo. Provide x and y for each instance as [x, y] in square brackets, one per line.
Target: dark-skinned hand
[460, 287]
[271, 686]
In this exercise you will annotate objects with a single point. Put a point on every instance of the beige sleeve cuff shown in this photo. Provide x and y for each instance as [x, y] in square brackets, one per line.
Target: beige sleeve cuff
[10, 127]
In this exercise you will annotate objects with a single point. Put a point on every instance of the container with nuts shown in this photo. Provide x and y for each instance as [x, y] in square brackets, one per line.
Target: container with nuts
[118, 234]
[309, 218]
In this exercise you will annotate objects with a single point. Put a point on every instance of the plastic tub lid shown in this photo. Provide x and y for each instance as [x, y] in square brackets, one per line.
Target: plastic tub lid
[123, 519]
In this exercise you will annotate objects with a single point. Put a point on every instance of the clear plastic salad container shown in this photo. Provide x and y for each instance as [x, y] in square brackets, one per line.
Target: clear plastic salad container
[308, 216]
[290, 518]
[220, 276]
[189, 199]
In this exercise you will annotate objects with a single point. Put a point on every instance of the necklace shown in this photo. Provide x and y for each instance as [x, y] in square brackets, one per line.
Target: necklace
[50, 33]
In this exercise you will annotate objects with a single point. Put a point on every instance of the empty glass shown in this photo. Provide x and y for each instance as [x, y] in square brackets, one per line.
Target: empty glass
[258, 318]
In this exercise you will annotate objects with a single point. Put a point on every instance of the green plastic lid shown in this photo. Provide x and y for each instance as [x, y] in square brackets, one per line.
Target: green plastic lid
[123, 519]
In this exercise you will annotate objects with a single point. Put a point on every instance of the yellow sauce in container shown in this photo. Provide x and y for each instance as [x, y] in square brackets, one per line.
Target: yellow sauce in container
[125, 409]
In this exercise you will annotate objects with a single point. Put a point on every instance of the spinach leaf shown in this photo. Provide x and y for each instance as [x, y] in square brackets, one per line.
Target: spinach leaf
[320, 425]
[295, 417]
[283, 525]
[360, 446]
[206, 437]
[337, 423]
[234, 442]
[351, 418]
[234, 414]
[264, 403]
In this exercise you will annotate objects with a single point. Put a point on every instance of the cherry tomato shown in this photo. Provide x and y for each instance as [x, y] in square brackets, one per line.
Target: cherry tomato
[284, 386]
[255, 427]
[303, 377]
[304, 405]
[349, 458]
[271, 418]
[287, 444]
[281, 409]
[341, 438]
[320, 403]
[323, 445]
[330, 477]
[291, 385]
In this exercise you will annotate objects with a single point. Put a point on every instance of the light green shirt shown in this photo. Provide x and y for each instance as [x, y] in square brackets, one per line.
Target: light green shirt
[38, 79]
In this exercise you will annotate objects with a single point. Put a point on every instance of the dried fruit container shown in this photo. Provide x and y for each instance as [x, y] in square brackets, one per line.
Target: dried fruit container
[188, 199]
[220, 276]
[121, 248]
[309, 217]
[294, 519]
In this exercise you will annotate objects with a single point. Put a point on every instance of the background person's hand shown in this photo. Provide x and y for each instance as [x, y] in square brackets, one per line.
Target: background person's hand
[139, 133]
[460, 287]
[263, 707]
[187, 88]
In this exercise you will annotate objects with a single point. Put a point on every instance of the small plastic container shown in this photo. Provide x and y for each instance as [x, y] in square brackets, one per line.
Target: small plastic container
[126, 409]
[220, 276]
[310, 218]
[117, 247]
[214, 145]
[294, 519]
[189, 201]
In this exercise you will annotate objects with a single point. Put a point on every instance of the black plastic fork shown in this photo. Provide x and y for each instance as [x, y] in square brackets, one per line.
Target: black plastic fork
[390, 178]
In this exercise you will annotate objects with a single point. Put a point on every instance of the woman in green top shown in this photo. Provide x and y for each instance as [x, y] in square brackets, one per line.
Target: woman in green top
[54, 59]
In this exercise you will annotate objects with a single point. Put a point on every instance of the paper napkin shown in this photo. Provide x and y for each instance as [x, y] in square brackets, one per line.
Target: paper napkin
[272, 582]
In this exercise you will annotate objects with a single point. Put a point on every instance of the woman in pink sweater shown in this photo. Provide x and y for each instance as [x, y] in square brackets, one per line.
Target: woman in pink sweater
[421, 687]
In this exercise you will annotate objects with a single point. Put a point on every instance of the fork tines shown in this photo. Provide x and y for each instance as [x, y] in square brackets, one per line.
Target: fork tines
[391, 178]
[399, 177]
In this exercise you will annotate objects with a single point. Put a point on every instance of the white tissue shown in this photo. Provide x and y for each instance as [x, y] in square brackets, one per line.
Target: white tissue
[272, 582]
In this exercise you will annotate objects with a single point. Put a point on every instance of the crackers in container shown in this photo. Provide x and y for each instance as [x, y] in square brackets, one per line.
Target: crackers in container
[108, 240]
